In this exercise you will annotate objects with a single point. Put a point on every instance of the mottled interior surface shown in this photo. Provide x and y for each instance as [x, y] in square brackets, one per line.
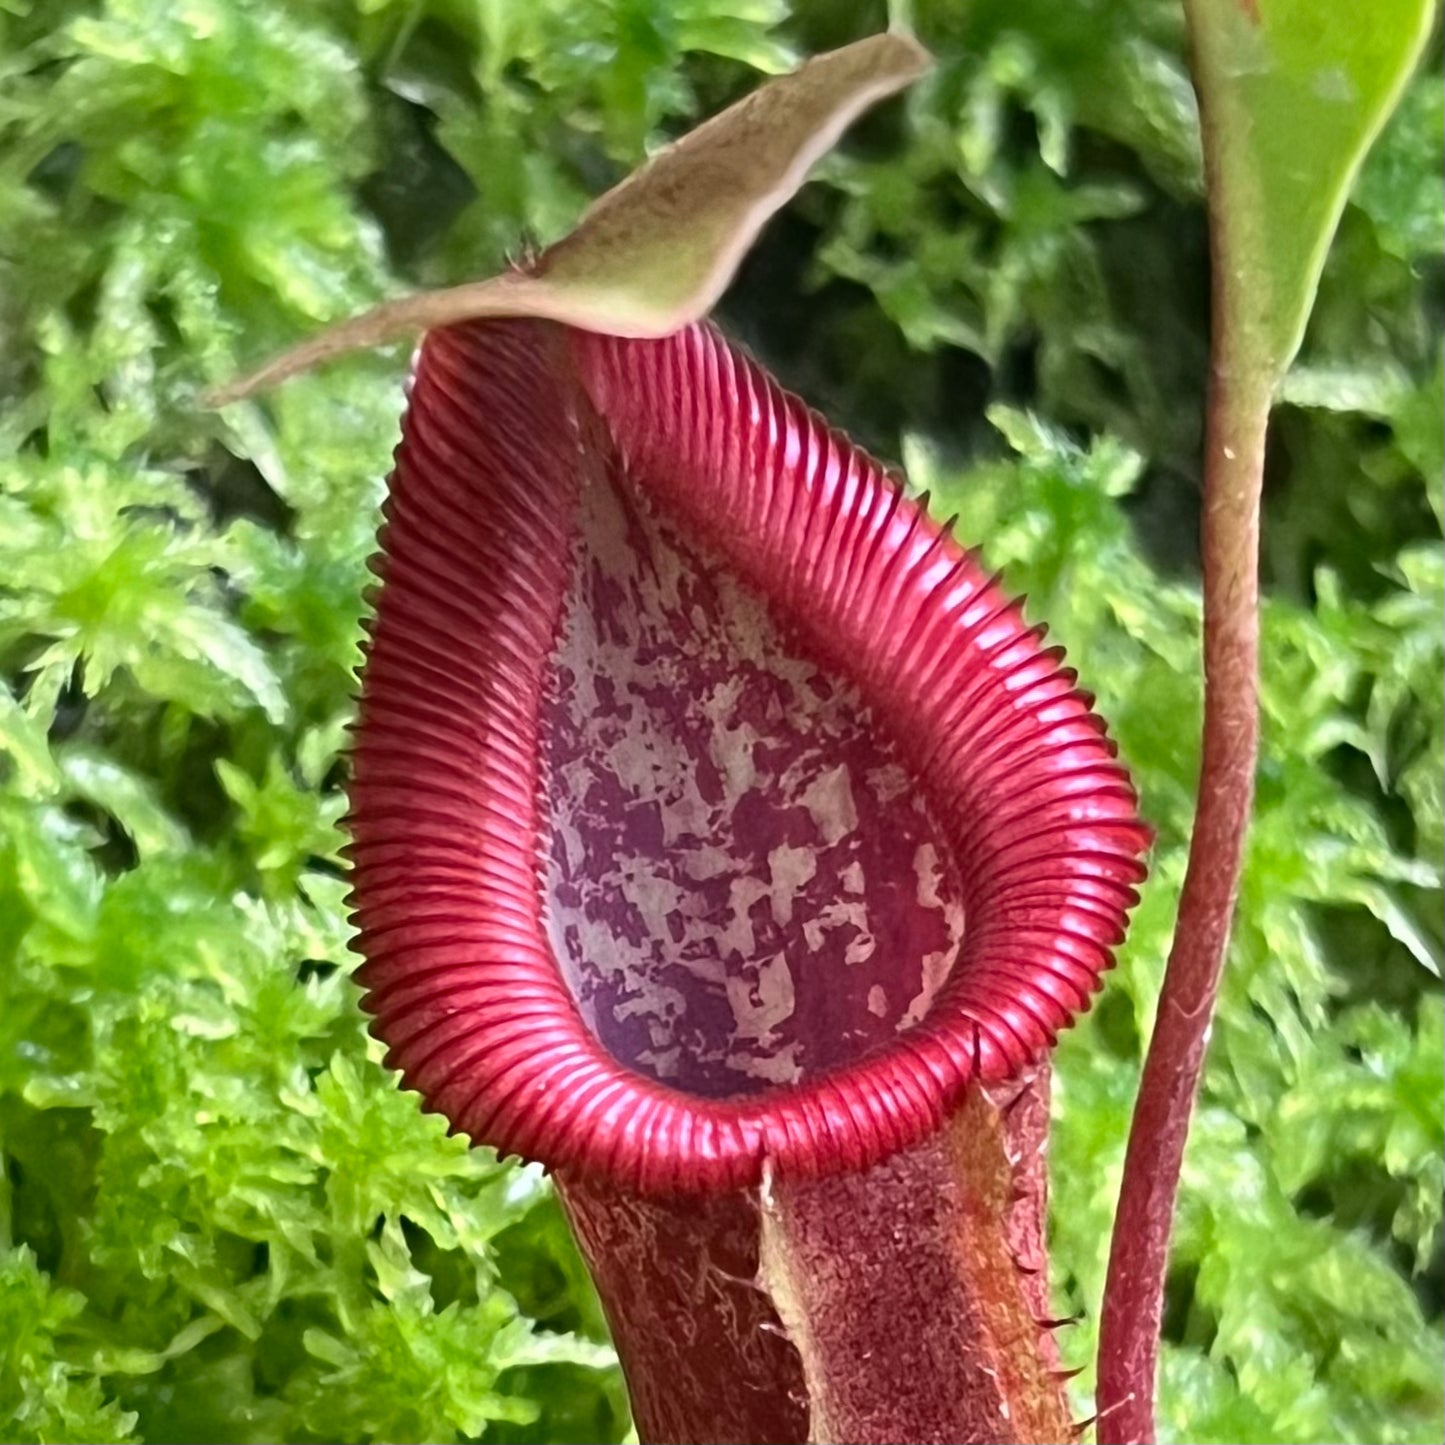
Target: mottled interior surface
[742, 886]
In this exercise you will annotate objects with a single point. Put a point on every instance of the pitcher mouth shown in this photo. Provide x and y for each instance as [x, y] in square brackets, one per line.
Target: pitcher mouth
[710, 804]
[744, 885]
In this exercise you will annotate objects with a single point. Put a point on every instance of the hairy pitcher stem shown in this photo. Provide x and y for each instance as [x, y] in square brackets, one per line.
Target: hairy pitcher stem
[908, 1301]
[1238, 416]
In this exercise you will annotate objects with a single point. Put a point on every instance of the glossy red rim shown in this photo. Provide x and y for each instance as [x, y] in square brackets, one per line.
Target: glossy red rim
[505, 420]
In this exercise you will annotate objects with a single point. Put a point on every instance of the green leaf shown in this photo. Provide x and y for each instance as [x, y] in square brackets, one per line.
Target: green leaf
[1292, 94]
[129, 798]
[45, 1395]
[24, 741]
[1402, 187]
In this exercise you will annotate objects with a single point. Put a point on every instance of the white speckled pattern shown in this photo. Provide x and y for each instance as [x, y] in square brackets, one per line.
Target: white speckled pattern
[720, 915]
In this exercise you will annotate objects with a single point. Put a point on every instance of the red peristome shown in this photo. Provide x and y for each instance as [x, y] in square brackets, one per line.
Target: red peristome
[710, 804]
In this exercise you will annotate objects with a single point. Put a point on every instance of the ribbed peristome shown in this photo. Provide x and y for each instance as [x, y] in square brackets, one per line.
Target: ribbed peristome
[509, 425]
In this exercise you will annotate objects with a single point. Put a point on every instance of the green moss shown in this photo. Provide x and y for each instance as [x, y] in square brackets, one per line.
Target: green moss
[218, 1219]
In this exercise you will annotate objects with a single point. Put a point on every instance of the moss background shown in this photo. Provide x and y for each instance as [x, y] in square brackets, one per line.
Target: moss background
[219, 1220]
